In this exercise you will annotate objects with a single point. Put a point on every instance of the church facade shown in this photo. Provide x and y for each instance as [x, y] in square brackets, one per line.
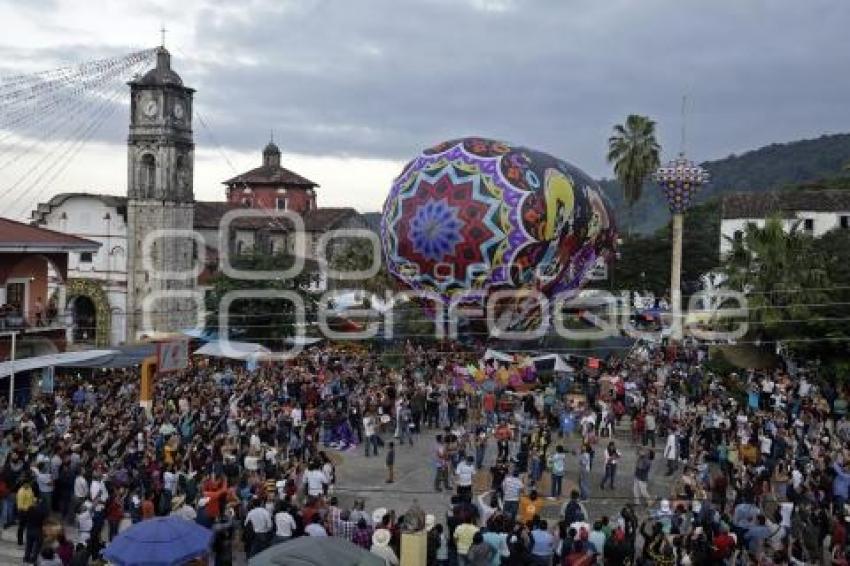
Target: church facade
[144, 272]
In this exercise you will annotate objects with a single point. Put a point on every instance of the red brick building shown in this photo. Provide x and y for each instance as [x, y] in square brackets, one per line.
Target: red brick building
[271, 186]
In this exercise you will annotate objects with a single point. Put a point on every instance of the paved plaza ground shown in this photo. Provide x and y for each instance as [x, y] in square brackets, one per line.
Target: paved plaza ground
[361, 477]
[364, 478]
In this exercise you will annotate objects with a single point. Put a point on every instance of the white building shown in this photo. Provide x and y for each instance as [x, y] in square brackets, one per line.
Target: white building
[103, 219]
[813, 211]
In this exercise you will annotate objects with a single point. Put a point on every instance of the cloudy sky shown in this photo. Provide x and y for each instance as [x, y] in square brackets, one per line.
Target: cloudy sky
[353, 88]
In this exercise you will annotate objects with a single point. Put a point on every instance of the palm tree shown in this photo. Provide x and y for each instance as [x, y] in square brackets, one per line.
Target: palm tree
[634, 151]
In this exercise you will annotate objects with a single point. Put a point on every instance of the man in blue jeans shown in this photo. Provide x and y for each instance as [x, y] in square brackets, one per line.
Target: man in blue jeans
[557, 465]
[511, 490]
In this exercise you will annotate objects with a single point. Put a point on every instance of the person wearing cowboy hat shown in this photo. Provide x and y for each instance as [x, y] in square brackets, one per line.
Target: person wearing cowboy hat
[381, 546]
[179, 508]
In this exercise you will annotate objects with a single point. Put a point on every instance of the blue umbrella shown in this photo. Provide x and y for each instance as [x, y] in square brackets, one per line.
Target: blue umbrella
[163, 541]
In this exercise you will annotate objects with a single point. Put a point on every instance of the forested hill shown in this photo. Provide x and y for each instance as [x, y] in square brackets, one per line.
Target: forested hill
[766, 169]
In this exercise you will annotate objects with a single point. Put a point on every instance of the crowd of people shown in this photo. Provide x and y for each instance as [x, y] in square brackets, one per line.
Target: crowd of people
[748, 468]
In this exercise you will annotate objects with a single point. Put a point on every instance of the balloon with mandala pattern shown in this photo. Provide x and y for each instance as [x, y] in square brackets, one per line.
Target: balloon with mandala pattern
[475, 216]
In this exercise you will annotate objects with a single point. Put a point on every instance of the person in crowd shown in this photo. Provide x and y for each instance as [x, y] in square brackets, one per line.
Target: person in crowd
[390, 461]
[612, 457]
[557, 466]
[756, 462]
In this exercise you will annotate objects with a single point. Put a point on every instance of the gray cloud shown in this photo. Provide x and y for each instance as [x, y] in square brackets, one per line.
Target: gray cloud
[383, 78]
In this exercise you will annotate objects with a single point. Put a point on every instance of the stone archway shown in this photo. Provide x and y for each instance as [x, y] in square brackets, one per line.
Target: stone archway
[93, 291]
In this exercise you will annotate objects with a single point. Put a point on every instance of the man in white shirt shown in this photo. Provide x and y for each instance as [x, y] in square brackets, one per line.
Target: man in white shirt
[296, 416]
[45, 483]
[169, 480]
[261, 523]
[315, 479]
[511, 490]
[370, 431]
[98, 492]
[81, 491]
[464, 473]
[284, 525]
[766, 391]
[797, 480]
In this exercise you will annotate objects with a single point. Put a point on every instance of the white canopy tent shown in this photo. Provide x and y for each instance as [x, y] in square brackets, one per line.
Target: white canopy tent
[65, 359]
[232, 350]
[560, 363]
[491, 354]
[302, 340]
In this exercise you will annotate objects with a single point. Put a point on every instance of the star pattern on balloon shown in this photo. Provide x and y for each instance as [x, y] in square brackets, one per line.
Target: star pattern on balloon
[446, 218]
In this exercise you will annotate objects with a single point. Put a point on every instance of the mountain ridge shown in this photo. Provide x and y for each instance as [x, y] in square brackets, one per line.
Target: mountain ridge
[772, 167]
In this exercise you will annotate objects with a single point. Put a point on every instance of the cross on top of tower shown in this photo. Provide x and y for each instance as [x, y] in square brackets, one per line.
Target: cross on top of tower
[162, 32]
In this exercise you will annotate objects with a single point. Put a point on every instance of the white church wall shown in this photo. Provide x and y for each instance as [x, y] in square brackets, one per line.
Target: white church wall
[86, 217]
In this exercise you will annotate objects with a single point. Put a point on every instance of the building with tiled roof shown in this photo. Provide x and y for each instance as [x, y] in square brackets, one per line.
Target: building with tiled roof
[17, 237]
[813, 210]
[272, 186]
[29, 257]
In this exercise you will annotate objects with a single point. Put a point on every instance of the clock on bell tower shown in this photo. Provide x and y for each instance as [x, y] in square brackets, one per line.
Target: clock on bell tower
[160, 196]
[161, 151]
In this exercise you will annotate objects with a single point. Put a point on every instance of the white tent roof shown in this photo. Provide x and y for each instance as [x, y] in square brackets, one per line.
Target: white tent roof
[560, 363]
[497, 355]
[232, 350]
[302, 340]
[67, 359]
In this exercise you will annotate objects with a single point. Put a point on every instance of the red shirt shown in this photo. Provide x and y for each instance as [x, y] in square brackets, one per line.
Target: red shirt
[489, 402]
[839, 534]
[723, 543]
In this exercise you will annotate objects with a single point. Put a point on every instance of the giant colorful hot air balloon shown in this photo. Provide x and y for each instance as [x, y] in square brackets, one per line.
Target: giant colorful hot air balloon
[478, 215]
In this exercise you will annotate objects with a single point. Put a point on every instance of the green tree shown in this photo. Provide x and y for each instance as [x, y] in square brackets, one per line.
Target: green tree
[833, 345]
[357, 254]
[644, 261]
[265, 321]
[409, 318]
[634, 152]
[783, 274]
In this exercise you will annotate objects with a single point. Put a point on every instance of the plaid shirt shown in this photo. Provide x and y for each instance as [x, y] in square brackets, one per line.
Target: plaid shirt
[362, 537]
[344, 529]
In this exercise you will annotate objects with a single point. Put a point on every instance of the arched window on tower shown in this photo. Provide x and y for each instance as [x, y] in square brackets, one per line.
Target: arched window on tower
[147, 174]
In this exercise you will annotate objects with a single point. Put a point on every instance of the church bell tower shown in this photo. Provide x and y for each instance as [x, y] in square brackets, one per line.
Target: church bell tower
[160, 163]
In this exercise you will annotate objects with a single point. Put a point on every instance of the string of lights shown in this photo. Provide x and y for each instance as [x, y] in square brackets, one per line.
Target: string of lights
[64, 160]
[31, 87]
[63, 148]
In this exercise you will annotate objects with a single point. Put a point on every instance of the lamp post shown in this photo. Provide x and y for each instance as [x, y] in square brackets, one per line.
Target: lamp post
[14, 335]
[679, 179]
